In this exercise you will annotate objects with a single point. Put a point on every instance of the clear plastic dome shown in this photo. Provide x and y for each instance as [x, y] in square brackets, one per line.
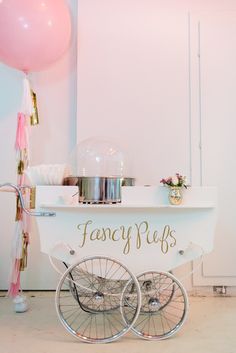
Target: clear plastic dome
[99, 157]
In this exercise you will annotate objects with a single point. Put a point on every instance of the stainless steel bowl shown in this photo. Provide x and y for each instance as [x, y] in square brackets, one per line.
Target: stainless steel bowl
[99, 189]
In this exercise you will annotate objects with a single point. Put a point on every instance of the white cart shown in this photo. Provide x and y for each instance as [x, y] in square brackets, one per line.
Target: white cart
[119, 258]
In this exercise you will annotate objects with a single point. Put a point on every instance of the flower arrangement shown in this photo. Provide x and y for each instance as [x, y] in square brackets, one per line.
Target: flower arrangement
[176, 180]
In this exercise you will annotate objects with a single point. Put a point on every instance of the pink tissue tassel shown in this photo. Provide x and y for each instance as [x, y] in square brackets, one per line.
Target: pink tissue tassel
[21, 235]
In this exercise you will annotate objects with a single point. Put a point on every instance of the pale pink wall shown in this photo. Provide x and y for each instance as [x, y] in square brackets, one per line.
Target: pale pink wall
[133, 77]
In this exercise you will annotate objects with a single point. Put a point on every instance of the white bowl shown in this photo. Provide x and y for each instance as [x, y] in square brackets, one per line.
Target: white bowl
[47, 174]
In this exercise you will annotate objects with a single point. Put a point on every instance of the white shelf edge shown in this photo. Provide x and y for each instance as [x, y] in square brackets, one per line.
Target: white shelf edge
[121, 206]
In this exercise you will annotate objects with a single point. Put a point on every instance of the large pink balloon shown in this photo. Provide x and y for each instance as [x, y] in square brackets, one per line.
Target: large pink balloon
[33, 33]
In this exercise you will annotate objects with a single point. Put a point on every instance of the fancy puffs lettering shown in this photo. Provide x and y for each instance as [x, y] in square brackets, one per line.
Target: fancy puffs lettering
[134, 235]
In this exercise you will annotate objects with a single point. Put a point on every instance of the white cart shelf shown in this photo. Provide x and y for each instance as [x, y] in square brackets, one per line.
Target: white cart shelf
[121, 206]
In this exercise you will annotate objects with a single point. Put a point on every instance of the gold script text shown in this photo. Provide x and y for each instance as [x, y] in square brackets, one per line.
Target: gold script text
[130, 235]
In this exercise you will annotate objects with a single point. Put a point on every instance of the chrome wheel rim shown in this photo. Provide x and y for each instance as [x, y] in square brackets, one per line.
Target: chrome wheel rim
[164, 306]
[91, 299]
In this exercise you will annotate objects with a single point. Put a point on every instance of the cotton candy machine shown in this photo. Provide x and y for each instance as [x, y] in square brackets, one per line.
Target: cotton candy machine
[99, 170]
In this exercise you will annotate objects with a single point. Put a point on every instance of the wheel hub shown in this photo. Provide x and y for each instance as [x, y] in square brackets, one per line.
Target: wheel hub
[154, 304]
[147, 285]
[99, 297]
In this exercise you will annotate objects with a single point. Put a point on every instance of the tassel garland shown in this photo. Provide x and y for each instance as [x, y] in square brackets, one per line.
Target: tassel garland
[28, 114]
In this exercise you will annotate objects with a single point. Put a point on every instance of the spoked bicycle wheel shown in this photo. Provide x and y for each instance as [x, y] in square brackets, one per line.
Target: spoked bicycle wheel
[91, 299]
[164, 306]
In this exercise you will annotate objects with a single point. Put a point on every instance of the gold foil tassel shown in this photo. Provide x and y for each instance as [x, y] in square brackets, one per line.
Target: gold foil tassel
[23, 260]
[34, 119]
[32, 197]
[20, 167]
[18, 209]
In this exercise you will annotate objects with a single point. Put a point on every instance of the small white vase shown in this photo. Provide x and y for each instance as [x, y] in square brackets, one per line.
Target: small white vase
[175, 195]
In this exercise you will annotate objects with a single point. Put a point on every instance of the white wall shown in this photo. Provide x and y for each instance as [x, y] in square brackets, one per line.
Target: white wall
[133, 80]
[129, 87]
[51, 142]
[134, 87]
